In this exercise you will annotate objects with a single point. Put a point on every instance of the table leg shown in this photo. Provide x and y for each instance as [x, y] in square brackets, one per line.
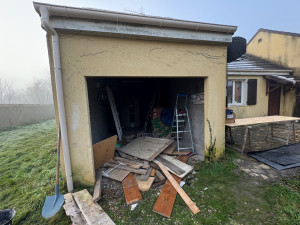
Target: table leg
[249, 137]
[245, 139]
[291, 131]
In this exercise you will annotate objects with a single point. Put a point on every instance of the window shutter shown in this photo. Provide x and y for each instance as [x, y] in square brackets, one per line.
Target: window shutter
[252, 92]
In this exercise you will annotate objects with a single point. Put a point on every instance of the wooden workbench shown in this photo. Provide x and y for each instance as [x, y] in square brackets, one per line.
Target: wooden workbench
[246, 122]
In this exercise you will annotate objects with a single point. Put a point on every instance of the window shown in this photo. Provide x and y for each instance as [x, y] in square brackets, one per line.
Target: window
[236, 92]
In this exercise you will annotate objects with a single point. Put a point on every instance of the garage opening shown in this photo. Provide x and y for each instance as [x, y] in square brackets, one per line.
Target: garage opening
[133, 98]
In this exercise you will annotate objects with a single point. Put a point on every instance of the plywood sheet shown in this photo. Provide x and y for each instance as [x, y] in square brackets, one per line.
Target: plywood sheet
[118, 174]
[131, 190]
[146, 148]
[261, 120]
[104, 151]
[187, 168]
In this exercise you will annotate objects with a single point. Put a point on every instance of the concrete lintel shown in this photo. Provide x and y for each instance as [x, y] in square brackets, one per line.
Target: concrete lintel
[141, 32]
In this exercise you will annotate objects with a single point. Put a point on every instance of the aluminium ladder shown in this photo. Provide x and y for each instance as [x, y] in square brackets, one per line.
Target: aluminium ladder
[181, 120]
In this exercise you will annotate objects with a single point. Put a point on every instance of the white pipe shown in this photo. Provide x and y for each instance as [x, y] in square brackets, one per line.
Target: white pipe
[59, 91]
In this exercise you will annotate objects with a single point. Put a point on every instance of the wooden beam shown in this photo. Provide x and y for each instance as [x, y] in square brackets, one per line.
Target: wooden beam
[180, 191]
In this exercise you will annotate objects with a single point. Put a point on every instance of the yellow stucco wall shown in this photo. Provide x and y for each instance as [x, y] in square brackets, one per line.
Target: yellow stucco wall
[278, 48]
[287, 101]
[88, 55]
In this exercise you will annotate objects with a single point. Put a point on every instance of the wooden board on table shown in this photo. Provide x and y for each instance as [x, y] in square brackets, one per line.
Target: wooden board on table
[165, 202]
[131, 190]
[261, 120]
[104, 151]
[118, 174]
[146, 148]
[183, 166]
[91, 211]
[144, 185]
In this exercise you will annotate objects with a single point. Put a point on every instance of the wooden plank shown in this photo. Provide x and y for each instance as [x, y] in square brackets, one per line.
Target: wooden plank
[152, 174]
[73, 211]
[131, 190]
[118, 174]
[144, 185]
[159, 183]
[170, 165]
[165, 202]
[261, 120]
[104, 151]
[137, 171]
[145, 176]
[179, 153]
[130, 163]
[146, 148]
[97, 191]
[159, 175]
[183, 166]
[169, 149]
[146, 164]
[180, 191]
[91, 211]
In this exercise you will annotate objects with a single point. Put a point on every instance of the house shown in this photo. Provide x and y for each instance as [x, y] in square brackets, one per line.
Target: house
[91, 49]
[257, 87]
[281, 48]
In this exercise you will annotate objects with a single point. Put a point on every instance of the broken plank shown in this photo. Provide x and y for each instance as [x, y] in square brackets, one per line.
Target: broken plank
[180, 191]
[146, 148]
[145, 176]
[159, 175]
[144, 185]
[104, 151]
[131, 190]
[169, 149]
[170, 165]
[137, 171]
[91, 211]
[129, 162]
[97, 191]
[72, 210]
[152, 174]
[175, 164]
[159, 183]
[118, 174]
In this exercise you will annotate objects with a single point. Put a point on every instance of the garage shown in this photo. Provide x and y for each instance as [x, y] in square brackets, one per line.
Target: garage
[133, 55]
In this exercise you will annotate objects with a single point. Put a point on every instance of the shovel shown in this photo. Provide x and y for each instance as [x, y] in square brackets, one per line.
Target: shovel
[54, 203]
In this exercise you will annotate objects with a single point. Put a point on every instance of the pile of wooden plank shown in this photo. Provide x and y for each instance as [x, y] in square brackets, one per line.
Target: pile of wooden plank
[144, 163]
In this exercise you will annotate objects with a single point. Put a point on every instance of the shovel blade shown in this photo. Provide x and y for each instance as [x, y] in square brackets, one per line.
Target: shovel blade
[52, 205]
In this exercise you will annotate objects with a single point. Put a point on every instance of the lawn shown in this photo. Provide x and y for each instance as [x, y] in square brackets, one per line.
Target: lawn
[224, 194]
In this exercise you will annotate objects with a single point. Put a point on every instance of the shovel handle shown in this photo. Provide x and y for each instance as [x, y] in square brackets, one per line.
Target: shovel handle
[58, 156]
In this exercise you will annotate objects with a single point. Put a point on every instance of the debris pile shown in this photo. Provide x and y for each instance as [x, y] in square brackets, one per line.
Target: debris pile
[145, 163]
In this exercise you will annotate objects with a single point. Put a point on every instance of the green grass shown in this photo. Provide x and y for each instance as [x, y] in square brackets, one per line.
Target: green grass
[27, 172]
[224, 194]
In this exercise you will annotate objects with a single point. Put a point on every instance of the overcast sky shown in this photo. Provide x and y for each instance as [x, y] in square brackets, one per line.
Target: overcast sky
[23, 49]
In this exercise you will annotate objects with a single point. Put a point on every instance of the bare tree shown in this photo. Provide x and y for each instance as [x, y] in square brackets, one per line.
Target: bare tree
[6, 91]
[39, 91]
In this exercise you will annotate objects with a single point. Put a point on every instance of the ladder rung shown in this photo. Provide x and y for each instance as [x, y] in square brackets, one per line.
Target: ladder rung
[179, 125]
[180, 121]
[184, 131]
[181, 114]
[187, 148]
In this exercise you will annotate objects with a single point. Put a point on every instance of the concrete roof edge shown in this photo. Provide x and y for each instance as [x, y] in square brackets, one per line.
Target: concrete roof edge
[98, 14]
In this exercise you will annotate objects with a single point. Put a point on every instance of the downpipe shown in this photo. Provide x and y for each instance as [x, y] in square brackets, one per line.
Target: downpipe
[59, 90]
